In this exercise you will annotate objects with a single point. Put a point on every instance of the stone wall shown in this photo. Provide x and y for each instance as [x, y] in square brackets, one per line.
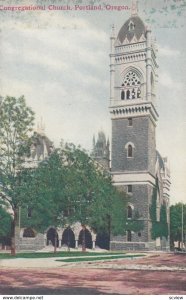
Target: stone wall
[132, 246]
[31, 244]
[142, 135]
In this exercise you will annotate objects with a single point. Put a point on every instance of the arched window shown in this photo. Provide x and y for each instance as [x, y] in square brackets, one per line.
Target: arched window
[138, 93]
[132, 85]
[52, 237]
[133, 94]
[130, 151]
[129, 236]
[129, 147]
[68, 238]
[85, 238]
[129, 212]
[29, 233]
[131, 26]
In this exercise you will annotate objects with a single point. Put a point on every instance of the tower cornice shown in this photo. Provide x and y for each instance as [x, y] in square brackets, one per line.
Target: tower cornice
[120, 110]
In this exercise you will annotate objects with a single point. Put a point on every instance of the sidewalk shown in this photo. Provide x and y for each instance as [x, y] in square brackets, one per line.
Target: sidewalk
[50, 262]
[117, 264]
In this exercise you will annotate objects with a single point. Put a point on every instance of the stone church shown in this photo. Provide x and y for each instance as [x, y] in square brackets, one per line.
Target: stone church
[135, 164]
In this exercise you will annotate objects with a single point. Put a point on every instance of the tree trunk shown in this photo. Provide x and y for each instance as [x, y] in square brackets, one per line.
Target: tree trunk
[68, 246]
[109, 228]
[83, 242]
[55, 242]
[13, 226]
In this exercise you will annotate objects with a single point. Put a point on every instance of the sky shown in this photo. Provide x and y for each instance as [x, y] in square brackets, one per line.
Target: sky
[59, 60]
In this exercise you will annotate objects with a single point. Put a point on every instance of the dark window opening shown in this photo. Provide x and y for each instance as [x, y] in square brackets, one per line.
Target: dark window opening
[85, 238]
[130, 151]
[129, 121]
[29, 233]
[52, 237]
[129, 188]
[128, 94]
[129, 212]
[68, 238]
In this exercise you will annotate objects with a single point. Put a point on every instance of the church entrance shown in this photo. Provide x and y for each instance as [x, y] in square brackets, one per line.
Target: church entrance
[85, 238]
[52, 236]
[68, 238]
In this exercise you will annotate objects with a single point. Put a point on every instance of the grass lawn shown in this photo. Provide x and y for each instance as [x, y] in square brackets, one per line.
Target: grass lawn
[94, 258]
[57, 254]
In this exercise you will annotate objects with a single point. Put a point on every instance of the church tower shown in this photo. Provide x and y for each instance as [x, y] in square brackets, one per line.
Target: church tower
[101, 150]
[133, 78]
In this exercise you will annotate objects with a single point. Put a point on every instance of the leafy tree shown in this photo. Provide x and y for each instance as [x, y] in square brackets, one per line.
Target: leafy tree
[94, 199]
[46, 194]
[135, 224]
[176, 223]
[163, 221]
[69, 186]
[16, 122]
[159, 228]
[5, 222]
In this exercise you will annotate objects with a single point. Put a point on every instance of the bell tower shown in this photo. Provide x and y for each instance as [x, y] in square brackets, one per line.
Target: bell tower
[133, 79]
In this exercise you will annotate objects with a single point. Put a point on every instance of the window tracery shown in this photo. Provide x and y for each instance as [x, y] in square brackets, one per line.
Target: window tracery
[131, 87]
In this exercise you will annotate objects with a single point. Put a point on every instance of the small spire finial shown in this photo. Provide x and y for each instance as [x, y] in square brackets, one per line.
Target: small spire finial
[113, 31]
[41, 127]
[134, 8]
[94, 141]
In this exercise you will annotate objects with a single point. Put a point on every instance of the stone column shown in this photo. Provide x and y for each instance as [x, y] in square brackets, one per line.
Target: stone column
[76, 244]
[148, 66]
[93, 245]
[60, 243]
[112, 65]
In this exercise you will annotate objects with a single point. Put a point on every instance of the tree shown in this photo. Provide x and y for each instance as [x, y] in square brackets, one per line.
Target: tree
[94, 200]
[70, 186]
[176, 223]
[5, 226]
[46, 194]
[5, 222]
[159, 228]
[16, 123]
